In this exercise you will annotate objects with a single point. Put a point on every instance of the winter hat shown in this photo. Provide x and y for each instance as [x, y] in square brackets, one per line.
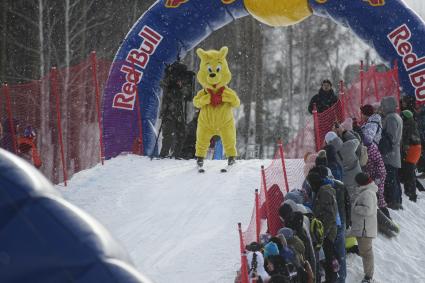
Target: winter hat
[321, 158]
[330, 136]
[285, 211]
[270, 249]
[347, 124]
[326, 81]
[278, 242]
[362, 179]
[288, 233]
[295, 195]
[309, 162]
[367, 110]
[407, 114]
[315, 181]
[321, 170]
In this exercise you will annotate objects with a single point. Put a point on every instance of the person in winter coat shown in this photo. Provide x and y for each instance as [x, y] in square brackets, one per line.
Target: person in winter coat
[375, 167]
[344, 211]
[420, 119]
[364, 222]
[392, 128]
[347, 157]
[326, 210]
[324, 99]
[410, 151]
[332, 162]
[27, 147]
[256, 267]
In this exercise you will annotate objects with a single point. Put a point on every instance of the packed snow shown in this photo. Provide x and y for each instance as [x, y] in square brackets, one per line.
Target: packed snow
[181, 226]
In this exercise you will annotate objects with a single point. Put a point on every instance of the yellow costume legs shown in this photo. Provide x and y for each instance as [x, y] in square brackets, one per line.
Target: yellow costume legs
[203, 137]
[228, 137]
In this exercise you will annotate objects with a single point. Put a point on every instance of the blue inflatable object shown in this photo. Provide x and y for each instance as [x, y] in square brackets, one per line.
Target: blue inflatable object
[45, 239]
[170, 28]
[166, 32]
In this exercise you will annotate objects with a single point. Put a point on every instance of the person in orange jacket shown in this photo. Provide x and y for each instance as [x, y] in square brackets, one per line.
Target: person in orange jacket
[27, 147]
[410, 152]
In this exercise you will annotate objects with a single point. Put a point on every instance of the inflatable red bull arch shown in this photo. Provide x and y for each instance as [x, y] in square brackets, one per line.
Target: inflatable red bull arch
[170, 28]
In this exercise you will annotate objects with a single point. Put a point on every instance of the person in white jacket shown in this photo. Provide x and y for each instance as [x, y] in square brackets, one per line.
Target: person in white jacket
[364, 221]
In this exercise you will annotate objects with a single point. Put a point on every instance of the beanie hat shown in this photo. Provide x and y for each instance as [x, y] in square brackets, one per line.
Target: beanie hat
[270, 249]
[347, 124]
[407, 113]
[363, 179]
[321, 158]
[367, 110]
[288, 233]
[315, 181]
[326, 81]
[330, 136]
[295, 195]
[322, 171]
[285, 211]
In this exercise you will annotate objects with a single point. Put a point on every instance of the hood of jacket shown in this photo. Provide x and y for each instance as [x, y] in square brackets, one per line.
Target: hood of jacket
[375, 118]
[371, 186]
[389, 105]
[336, 143]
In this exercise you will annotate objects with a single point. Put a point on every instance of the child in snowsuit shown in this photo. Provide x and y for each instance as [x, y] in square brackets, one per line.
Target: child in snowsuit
[364, 222]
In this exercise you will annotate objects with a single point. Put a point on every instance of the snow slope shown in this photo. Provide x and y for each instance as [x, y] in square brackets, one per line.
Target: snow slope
[181, 226]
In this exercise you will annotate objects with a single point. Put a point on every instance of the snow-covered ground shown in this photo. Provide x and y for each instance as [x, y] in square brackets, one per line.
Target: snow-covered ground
[181, 226]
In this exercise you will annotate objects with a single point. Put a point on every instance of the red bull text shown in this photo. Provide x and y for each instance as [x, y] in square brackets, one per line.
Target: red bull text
[376, 3]
[139, 58]
[399, 38]
[174, 3]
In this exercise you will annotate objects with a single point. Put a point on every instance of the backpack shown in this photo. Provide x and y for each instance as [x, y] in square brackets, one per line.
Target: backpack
[385, 144]
[317, 233]
[363, 158]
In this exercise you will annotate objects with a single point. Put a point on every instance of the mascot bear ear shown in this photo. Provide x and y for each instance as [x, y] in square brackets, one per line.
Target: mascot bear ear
[201, 53]
[223, 51]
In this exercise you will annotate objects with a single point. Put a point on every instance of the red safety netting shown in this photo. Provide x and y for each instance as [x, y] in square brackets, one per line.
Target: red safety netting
[370, 88]
[326, 120]
[67, 95]
[304, 141]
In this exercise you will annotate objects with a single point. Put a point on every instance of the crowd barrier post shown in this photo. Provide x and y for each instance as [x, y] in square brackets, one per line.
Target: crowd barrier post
[97, 90]
[244, 261]
[361, 82]
[282, 158]
[397, 81]
[257, 216]
[55, 90]
[12, 127]
[263, 176]
[375, 86]
[316, 127]
[342, 98]
[139, 114]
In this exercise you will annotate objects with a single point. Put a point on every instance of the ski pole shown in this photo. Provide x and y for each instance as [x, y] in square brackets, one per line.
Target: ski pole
[156, 141]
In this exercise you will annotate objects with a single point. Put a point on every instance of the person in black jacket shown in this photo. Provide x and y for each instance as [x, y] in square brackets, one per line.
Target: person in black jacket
[324, 99]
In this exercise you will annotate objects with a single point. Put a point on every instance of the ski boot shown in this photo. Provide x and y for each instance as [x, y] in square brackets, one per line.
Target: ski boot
[230, 161]
[200, 163]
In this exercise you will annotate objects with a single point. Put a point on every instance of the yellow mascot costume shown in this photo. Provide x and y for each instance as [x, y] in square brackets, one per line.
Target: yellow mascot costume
[215, 101]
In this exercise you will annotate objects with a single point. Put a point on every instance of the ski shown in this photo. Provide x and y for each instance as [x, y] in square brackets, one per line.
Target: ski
[226, 169]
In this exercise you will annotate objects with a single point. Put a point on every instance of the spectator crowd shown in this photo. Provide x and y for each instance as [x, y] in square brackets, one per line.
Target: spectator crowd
[350, 187]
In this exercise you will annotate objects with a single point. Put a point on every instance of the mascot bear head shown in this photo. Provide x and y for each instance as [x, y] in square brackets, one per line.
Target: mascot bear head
[213, 71]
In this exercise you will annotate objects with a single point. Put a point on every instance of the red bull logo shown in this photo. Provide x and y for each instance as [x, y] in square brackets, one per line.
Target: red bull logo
[376, 3]
[321, 1]
[174, 3]
[227, 1]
